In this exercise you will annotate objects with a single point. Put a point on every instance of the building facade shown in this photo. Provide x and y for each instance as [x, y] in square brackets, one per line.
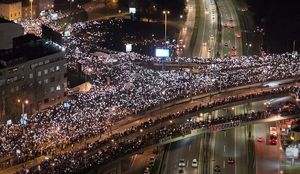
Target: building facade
[11, 10]
[33, 71]
[8, 31]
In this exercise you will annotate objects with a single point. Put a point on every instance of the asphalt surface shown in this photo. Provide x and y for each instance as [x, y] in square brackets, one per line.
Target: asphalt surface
[205, 44]
[229, 17]
[207, 29]
[267, 156]
[216, 148]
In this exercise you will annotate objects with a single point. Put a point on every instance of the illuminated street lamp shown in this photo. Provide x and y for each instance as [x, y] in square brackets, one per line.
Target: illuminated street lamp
[166, 12]
[31, 1]
[248, 47]
[70, 5]
[23, 104]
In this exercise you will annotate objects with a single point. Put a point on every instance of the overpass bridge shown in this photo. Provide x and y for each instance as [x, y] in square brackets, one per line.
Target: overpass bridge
[165, 108]
[194, 131]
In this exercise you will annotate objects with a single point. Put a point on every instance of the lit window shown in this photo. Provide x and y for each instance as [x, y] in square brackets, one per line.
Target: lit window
[57, 68]
[52, 69]
[30, 75]
[39, 73]
[45, 71]
[58, 88]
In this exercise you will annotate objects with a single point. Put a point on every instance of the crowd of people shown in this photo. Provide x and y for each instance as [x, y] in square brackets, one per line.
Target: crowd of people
[133, 139]
[121, 87]
[49, 18]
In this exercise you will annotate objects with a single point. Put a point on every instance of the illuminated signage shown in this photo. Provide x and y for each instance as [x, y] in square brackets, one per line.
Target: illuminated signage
[224, 126]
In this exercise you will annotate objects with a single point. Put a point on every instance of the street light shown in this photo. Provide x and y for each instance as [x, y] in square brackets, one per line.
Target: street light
[31, 1]
[166, 12]
[248, 47]
[23, 104]
[70, 5]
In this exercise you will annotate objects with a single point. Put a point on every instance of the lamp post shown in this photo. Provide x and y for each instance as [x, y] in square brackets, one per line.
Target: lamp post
[31, 1]
[23, 104]
[166, 12]
[248, 47]
[70, 4]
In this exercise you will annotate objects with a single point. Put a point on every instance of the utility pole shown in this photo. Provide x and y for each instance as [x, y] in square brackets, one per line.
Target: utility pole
[294, 45]
[166, 20]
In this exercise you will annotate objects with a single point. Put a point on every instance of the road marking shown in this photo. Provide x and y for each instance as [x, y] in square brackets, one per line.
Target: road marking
[204, 29]
[224, 133]
[132, 161]
[190, 147]
[187, 163]
[167, 157]
[224, 164]
[213, 150]
[224, 148]
[235, 149]
[200, 152]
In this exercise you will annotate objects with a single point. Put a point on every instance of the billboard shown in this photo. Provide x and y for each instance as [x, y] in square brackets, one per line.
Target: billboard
[292, 152]
[128, 47]
[162, 52]
[132, 10]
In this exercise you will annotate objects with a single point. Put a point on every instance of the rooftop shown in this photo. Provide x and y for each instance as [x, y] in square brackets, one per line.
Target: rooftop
[2, 21]
[27, 47]
[9, 1]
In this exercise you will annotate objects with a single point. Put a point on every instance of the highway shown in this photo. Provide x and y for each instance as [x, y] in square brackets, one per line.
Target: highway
[205, 44]
[229, 39]
[187, 30]
[200, 25]
[134, 164]
[267, 156]
[200, 31]
[216, 148]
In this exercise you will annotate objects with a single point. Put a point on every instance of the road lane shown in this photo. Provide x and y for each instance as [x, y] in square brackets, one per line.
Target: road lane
[187, 30]
[221, 145]
[267, 156]
[229, 18]
[186, 149]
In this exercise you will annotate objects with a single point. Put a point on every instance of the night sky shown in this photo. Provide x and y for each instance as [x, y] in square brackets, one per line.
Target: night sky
[281, 20]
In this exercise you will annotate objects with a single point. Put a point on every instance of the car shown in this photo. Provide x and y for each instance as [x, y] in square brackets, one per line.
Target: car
[204, 43]
[226, 44]
[230, 161]
[230, 19]
[195, 163]
[180, 171]
[181, 163]
[209, 50]
[217, 168]
[211, 36]
[226, 25]
[260, 139]
[238, 35]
